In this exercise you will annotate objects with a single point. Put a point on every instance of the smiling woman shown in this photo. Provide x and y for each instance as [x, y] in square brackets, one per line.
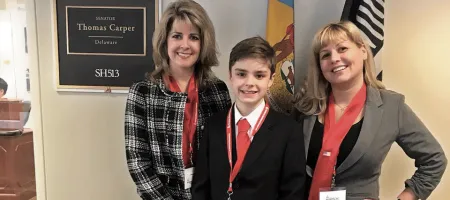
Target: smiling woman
[352, 121]
[181, 92]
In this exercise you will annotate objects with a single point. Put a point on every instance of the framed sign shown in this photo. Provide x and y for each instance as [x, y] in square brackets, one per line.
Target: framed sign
[103, 45]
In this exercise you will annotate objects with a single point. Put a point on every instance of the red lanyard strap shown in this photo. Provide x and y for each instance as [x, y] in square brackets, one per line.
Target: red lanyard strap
[234, 171]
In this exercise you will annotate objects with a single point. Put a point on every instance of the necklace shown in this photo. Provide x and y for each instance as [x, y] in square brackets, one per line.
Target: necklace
[341, 108]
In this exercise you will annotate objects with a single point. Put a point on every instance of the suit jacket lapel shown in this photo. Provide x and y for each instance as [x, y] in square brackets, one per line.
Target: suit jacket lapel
[308, 126]
[372, 119]
[260, 141]
[220, 131]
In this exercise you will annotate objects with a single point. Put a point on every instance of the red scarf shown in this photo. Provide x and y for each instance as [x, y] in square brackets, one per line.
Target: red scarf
[333, 135]
[190, 116]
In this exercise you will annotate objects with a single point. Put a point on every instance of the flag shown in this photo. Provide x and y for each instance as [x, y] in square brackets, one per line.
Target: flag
[368, 16]
[280, 34]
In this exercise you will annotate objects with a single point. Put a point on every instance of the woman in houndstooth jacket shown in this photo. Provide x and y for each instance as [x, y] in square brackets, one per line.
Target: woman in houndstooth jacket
[165, 115]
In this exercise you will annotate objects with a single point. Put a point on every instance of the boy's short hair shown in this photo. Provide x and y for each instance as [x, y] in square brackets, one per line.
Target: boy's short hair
[3, 85]
[254, 47]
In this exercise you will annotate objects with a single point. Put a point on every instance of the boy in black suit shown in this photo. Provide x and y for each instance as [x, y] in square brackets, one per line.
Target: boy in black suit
[251, 151]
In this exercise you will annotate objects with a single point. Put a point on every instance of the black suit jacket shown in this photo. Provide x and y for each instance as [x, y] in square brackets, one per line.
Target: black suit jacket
[274, 166]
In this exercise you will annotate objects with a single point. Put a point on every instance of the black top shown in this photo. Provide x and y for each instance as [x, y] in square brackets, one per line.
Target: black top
[315, 145]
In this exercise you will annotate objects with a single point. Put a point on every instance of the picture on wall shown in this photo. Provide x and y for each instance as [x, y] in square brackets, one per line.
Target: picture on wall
[103, 46]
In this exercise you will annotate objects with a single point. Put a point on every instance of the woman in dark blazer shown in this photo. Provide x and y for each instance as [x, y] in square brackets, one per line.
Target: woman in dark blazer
[350, 122]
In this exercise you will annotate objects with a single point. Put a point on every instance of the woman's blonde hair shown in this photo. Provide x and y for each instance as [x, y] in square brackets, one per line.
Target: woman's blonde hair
[313, 96]
[192, 12]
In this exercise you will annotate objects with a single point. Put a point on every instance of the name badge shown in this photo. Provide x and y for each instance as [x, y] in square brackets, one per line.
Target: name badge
[337, 193]
[188, 174]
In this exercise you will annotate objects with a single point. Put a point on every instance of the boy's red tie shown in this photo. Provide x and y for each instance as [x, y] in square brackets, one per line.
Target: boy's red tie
[243, 140]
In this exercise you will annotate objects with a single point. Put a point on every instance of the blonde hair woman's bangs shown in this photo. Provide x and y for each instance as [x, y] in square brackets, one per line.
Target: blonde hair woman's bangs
[329, 35]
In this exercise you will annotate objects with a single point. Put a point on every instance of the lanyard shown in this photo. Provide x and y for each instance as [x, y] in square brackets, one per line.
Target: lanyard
[234, 171]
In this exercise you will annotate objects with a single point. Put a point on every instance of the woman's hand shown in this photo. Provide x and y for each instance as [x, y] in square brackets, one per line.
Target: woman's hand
[407, 194]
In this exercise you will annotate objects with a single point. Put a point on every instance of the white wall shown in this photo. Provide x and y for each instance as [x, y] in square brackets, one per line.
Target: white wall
[2, 4]
[20, 57]
[415, 63]
[6, 53]
[79, 145]
[13, 59]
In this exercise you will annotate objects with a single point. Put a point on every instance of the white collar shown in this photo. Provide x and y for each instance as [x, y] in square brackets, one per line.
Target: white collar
[252, 118]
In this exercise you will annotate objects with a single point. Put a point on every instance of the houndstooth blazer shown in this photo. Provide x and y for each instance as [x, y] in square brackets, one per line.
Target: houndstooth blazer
[153, 135]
